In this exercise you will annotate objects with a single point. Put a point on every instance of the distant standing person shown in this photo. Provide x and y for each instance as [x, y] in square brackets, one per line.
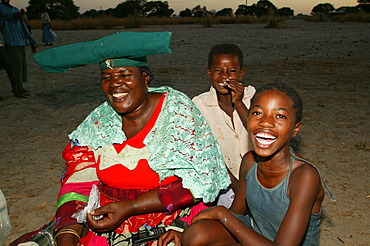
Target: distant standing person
[15, 33]
[25, 19]
[5, 63]
[47, 37]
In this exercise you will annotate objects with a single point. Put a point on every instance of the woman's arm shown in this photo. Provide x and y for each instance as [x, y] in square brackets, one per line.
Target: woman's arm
[73, 195]
[166, 198]
[68, 236]
[116, 212]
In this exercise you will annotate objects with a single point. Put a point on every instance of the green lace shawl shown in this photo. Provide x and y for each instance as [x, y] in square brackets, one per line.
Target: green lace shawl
[181, 143]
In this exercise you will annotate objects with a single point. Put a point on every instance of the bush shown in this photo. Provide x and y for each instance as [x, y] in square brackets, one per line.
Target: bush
[275, 23]
[207, 21]
[356, 17]
[108, 22]
[133, 22]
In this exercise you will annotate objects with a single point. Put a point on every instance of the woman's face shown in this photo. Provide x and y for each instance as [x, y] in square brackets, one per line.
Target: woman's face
[125, 88]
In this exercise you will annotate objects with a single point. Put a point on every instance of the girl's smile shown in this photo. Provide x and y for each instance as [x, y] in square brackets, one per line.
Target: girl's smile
[264, 139]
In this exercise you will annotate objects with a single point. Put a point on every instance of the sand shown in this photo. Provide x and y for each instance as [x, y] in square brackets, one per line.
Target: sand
[327, 62]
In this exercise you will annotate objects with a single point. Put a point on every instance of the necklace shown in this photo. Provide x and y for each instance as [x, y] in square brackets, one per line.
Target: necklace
[277, 171]
[141, 115]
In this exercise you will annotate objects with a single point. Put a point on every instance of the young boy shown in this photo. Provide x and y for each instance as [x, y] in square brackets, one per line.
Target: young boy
[225, 108]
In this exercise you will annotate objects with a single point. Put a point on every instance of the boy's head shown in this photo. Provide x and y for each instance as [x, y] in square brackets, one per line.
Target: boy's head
[225, 49]
[225, 63]
[289, 91]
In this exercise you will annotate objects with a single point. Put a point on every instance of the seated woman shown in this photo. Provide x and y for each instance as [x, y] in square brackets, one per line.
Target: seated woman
[149, 150]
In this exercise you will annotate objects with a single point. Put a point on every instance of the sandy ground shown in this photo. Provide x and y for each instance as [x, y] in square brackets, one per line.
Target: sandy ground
[327, 62]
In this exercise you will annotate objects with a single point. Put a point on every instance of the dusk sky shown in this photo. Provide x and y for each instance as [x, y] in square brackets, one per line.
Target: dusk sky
[299, 6]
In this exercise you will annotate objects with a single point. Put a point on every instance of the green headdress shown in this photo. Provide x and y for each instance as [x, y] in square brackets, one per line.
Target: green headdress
[123, 49]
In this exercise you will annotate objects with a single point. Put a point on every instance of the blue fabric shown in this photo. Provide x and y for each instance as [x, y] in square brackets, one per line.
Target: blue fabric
[269, 206]
[14, 30]
[46, 33]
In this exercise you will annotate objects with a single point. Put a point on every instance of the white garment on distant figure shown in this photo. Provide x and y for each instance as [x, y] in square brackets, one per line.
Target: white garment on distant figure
[45, 17]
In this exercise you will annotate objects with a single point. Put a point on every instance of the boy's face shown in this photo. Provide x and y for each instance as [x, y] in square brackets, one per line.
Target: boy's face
[271, 122]
[224, 68]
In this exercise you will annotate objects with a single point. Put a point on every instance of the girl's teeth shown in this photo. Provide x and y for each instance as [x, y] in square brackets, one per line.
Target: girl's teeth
[265, 139]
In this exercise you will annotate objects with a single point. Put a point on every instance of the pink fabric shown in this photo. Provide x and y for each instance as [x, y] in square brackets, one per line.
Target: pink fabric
[92, 239]
[76, 187]
[194, 211]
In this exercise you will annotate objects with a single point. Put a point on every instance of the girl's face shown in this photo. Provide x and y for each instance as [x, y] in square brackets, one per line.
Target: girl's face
[271, 122]
[125, 88]
[224, 67]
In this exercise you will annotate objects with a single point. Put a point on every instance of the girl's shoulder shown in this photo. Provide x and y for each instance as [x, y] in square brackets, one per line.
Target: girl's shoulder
[304, 176]
[302, 168]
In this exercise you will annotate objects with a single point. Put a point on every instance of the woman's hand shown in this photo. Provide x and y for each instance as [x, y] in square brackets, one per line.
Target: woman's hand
[113, 215]
[170, 236]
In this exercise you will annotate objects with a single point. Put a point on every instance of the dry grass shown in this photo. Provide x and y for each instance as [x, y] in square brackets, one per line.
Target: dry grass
[134, 22]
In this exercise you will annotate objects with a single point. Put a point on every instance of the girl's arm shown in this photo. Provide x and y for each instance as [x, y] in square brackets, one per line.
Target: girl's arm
[306, 195]
[234, 180]
[239, 205]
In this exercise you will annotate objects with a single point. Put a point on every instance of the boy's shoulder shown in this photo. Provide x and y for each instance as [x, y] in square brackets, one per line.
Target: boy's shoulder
[201, 97]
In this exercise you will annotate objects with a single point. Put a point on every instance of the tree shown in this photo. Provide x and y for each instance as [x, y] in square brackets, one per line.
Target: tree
[186, 13]
[92, 13]
[157, 8]
[285, 11]
[130, 7]
[262, 7]
[266, 5]
[323, 8]
[348, 9]
[225, 12]
[364, 5]
[57, 9]
[244, 10]
[199, 12]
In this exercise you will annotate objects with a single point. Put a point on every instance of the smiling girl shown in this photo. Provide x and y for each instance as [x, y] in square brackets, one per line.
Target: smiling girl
[278, 201]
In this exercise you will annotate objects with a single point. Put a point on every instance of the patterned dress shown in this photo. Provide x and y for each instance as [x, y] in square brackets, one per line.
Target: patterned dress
[175, 146]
